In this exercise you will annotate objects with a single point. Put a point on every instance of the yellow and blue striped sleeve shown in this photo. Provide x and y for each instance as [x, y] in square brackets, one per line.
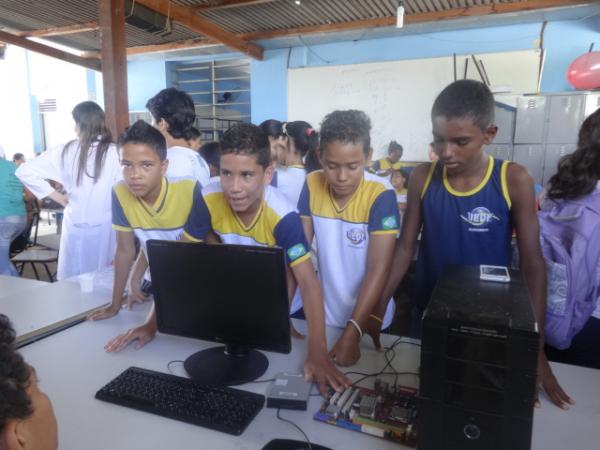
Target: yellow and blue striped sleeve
[119, 219]
[384, 217]
[198, 224]
[289, 235]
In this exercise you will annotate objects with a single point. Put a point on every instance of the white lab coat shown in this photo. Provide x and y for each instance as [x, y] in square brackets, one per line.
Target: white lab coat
[87, 242]
[186, 163]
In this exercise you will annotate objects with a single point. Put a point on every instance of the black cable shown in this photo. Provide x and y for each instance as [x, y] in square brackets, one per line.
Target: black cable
[261, 381]
[296, 426]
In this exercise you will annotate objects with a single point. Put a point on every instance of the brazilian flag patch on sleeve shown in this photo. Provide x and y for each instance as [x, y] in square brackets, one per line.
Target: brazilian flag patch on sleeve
[297, 251]
[389, 223]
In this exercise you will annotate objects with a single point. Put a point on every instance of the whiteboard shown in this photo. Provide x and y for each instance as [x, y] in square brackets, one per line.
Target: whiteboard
[398, 95]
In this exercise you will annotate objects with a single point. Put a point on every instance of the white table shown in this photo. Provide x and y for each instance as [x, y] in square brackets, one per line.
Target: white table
[45, 306]
[13, 285]
[72, 365]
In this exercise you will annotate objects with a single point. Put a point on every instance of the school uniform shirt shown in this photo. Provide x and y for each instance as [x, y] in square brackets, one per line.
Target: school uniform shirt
[290, 181]
[11, 191]
[385, 164]
[165, 219]
[343, 236]
[186, 163]
[87, 241]
[400, 195]
[469, 228]
[276, 223]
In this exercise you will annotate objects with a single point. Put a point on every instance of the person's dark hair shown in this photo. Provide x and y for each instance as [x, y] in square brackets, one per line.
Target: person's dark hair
[90, 121]
[195, 133]
[395, 147]
[247, 139]
[347, 126]
[272, 128]
[177, 109]
[14, 378]
[143, 133]
[465, 98]
[578, 173]
[18, 157]
[306, 141]
[211, 153]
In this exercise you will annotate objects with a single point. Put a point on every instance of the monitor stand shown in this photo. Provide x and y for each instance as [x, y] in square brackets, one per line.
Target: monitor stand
[229, 365]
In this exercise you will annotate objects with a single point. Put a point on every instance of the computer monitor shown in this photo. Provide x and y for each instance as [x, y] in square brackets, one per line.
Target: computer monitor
[232, 294]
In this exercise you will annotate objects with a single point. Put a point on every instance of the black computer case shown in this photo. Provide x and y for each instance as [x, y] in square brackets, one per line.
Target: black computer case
[479, 353]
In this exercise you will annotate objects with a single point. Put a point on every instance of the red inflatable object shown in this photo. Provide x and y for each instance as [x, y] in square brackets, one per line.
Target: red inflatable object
[584, 71]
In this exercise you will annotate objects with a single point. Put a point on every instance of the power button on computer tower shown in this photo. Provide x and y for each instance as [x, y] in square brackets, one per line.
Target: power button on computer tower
[472, 432]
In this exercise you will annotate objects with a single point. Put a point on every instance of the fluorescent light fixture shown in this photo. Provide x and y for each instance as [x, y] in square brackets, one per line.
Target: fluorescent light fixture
[400, 17]
[297, 2]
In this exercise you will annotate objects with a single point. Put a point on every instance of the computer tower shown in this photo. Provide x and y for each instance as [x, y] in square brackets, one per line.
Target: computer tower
[479, 353]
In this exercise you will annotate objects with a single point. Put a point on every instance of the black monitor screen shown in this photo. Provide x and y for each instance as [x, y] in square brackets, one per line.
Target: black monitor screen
[232, 294]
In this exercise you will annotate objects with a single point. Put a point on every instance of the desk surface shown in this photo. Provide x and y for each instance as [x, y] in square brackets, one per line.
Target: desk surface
[13, 285]
[72, 365]
[38, 305]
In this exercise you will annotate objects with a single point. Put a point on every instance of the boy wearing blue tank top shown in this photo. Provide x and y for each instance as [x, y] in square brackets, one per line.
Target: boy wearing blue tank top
[466, 206]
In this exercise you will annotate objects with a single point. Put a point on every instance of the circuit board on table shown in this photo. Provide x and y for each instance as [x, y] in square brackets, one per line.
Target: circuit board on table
[386, 412]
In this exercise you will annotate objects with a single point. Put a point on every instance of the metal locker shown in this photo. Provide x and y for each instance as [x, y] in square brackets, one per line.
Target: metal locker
[505, 120]
[531, 118]
[500, 151]
[553, 154]
[565, 116]
[532, 158]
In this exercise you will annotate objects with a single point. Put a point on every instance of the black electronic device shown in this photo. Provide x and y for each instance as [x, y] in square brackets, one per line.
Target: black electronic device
[292, 444]
[218, 408]
[479, 355]
[232, 294]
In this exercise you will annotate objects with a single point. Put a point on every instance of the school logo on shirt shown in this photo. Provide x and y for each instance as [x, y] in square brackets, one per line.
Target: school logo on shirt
[356, 235]
[389, 223]
[296, 252]
[479, 217]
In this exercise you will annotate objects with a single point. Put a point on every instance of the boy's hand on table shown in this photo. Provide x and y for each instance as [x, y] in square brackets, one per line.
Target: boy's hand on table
[142, 335]
[548, 382]
[346, 350]
[321, 370]
[373, 329]
[104, 313]
[136, 295]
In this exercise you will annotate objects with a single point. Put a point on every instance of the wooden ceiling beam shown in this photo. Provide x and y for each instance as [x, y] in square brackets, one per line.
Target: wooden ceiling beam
[187, 17]
[90, 63]
[224, 4]
[455, 13]
[60, 31]
[172, 46]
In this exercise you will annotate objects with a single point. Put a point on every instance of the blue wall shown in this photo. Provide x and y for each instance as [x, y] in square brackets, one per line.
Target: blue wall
[144, 80]
[563, 42]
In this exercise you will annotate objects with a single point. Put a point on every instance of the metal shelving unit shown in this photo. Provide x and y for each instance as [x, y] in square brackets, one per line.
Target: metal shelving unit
[221, 93]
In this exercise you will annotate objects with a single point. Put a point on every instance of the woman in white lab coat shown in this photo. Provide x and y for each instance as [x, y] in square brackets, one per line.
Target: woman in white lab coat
[87, 168]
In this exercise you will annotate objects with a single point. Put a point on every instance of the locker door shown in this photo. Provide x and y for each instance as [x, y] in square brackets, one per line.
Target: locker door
[553, 154]
[564, 118]
[500, 151]
[531, 118]
[505, 120]
[532, 158]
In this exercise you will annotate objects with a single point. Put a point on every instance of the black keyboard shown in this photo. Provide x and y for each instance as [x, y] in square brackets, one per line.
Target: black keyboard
[218, 408]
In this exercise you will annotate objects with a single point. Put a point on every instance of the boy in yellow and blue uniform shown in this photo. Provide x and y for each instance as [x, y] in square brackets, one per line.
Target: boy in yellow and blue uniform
[243, 209]
[354, 217]
[145, 204]
[467, 205]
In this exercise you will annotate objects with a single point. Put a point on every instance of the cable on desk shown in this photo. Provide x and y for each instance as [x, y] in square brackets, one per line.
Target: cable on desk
[296, 426]
[262, 381]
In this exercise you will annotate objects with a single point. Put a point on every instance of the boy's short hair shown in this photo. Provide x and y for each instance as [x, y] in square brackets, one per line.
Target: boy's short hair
[395, 147]
[272, 128]
[14, 378]
[18, 157]
[346, 126]
[143, 133]
[465, 98]
[211, 153]
[247, 139]
[195, 133]
[177, 109]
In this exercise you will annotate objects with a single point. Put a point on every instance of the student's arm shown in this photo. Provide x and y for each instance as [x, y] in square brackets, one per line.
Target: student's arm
[524, 217]
[35, 173]
[307, 225]
[405, 248]
[142, 334]
[135, 282]
[346, 350]
[124, 257]
[318, 365]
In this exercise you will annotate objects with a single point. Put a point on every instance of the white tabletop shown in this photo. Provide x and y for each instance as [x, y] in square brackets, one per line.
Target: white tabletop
[72, 366]
[13, 285]
[45, 305]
